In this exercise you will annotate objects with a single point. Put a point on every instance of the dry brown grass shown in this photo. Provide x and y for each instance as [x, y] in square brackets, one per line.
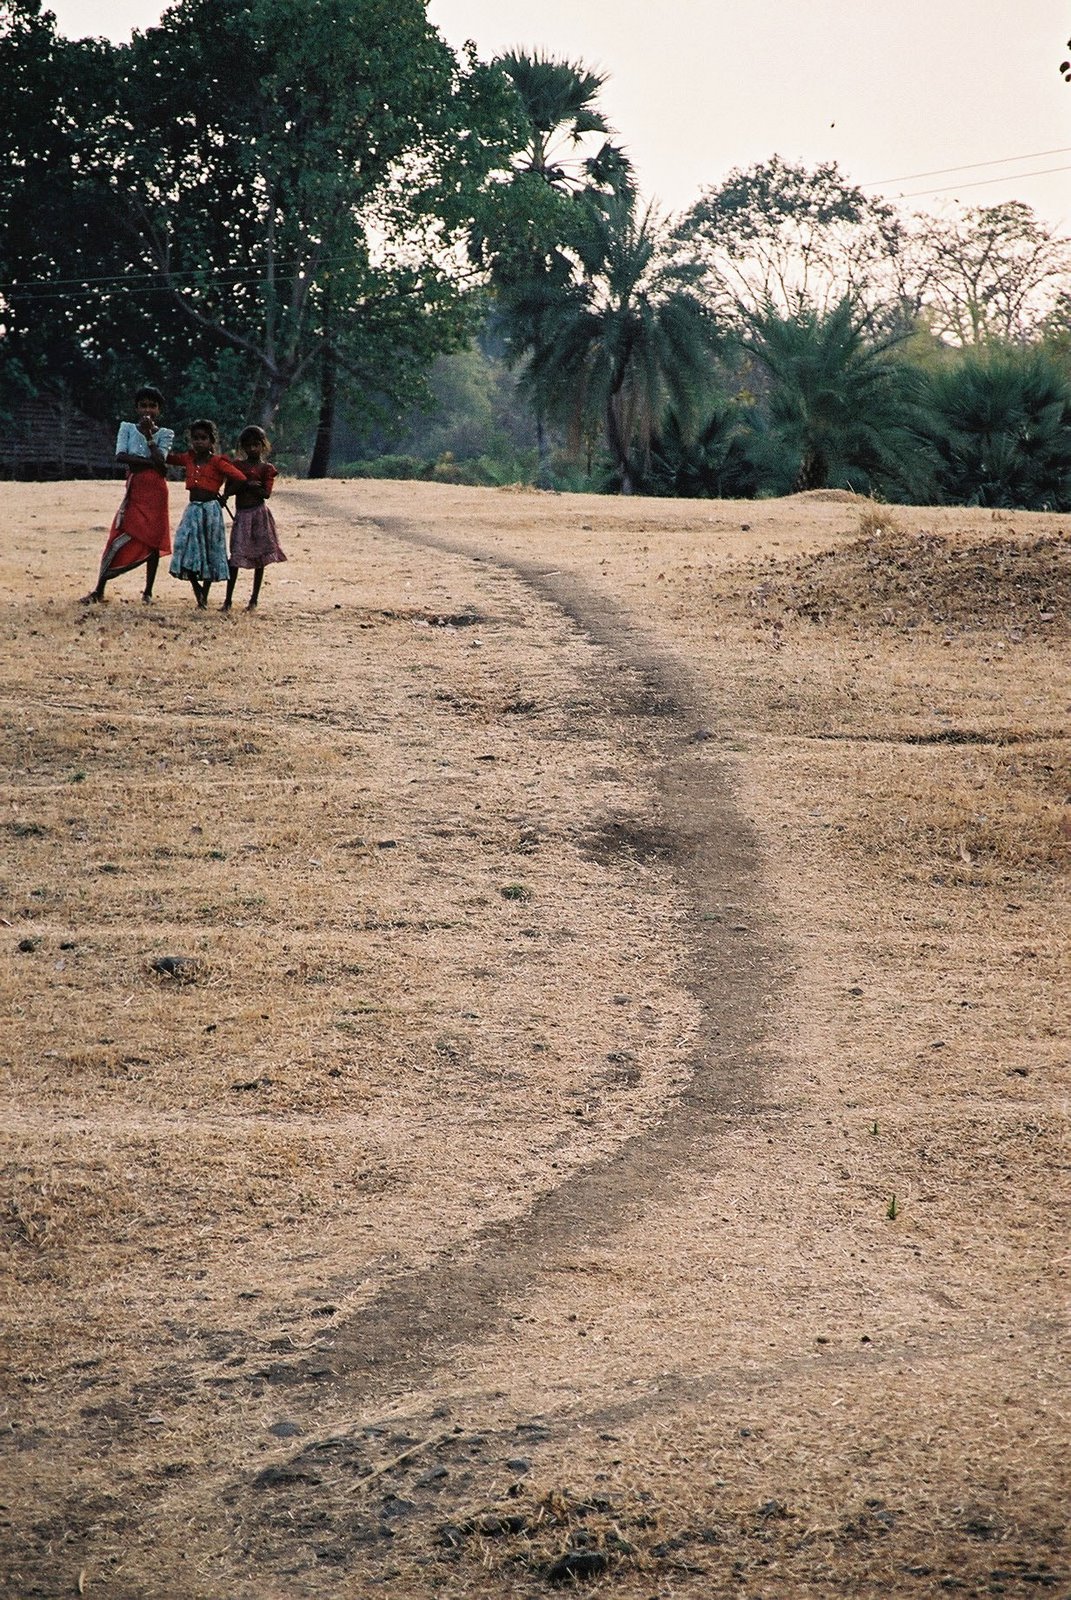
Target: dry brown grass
[755, 1380]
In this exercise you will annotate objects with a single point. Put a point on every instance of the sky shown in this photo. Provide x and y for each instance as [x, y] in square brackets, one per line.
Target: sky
[895, 91]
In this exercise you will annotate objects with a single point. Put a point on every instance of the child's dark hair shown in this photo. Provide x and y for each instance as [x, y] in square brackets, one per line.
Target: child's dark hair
[147, 392]
[203, 425]
[254, 435]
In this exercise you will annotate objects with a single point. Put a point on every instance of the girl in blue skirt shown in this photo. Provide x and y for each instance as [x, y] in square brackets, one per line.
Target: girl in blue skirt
[200, 554]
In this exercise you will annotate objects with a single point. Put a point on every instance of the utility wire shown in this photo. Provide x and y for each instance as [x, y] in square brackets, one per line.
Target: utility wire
[971, 166]
[125, 280]
[114, 288]
[977, 183]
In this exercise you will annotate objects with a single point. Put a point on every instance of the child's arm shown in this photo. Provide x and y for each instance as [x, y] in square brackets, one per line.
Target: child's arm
[232, 474]
[260, 486]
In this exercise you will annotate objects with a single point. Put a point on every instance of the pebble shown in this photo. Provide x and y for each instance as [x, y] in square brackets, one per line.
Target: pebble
[575, 1565]
[183, 969]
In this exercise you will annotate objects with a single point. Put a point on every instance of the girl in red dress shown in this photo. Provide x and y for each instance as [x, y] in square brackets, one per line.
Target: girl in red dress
[139, 532]
[254, 541]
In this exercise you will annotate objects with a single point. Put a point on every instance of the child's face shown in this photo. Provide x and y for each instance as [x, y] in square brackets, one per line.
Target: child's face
[200, 442]
[149, 411]
[254, 449]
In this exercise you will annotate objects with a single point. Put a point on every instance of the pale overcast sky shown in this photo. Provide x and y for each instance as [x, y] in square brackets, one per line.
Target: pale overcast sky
[887, 88]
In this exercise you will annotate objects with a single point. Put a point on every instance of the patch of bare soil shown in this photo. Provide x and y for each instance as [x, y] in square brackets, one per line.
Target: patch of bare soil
[899, 577]
[538, 1061]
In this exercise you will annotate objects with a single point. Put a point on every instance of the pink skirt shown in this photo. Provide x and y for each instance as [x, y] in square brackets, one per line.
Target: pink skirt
[254, 541]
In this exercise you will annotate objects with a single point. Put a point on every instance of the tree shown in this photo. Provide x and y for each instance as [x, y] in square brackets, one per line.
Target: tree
[836, 410]
[557, 100]
[626, 344]
[998, 424]
[777, 237]
[989, 272]
[299, 189]
[53, 239]
[541, 222]
[711, 460]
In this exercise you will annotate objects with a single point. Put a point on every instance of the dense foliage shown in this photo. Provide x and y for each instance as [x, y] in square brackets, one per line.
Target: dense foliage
[406, 261]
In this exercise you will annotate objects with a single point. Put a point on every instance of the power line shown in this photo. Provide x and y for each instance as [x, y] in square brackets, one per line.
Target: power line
[971, 166]
[116, 288]
[159, 280]
[977, 183]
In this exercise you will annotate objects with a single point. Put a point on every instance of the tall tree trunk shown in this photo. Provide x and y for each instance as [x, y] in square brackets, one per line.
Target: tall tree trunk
[325, 427]
[618, 445]
[273, 396]
[543, 479]
[813, 471]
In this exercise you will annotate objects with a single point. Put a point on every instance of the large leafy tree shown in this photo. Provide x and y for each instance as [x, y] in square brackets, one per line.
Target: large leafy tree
[998, 424]
[627, 344]
[294, 179]
[989, 272]
[54, 240]
[256, 198]
[780, 237]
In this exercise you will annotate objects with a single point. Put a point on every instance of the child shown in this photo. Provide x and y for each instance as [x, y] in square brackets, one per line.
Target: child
[139, 532]
[200, 541]
[254, 541]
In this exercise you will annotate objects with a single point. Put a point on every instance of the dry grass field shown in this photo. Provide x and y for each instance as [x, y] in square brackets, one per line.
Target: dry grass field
[538, 1061]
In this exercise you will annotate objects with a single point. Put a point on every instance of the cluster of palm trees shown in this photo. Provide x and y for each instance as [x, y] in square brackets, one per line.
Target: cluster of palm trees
[634, 367]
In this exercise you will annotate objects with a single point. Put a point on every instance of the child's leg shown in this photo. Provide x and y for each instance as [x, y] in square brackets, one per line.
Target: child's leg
[204, 594]
[150, 574]
[102, 578]
[231, 581]
[258, 579]
[196, 587]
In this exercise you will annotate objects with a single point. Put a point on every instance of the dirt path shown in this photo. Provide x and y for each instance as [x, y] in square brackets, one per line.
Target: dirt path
[656, 1189]
[700, 836]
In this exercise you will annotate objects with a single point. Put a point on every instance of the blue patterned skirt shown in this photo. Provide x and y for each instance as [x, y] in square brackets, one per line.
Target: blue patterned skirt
[201, 544]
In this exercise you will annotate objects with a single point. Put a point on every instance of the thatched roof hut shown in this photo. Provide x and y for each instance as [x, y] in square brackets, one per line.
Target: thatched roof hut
[48, 438]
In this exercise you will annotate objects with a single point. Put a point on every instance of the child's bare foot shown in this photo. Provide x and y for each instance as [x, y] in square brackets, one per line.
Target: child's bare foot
[93, 598]
[146, 598]
[252, 606]
[226, 606]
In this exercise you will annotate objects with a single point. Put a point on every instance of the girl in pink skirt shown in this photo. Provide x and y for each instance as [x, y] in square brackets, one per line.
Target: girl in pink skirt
[254, 541]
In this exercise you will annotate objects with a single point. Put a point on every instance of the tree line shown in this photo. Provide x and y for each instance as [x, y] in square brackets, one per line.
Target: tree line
[320, 218]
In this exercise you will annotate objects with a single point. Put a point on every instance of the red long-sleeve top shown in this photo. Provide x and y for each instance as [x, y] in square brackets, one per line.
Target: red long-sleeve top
[210, 473]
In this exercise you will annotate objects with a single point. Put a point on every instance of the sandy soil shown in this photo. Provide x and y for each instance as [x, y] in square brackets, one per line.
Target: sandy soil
[607, 1125]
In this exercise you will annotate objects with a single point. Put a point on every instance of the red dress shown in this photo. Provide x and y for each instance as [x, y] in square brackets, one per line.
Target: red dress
[141, 524]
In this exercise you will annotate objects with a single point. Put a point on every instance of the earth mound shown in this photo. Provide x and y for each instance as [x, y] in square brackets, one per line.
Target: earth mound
[892, 578]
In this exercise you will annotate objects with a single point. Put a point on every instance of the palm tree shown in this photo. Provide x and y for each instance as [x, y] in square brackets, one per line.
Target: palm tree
[539, 226]
[629, 342]
[998, 422]
[836, 410]
[711, 461]
[557, 100]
